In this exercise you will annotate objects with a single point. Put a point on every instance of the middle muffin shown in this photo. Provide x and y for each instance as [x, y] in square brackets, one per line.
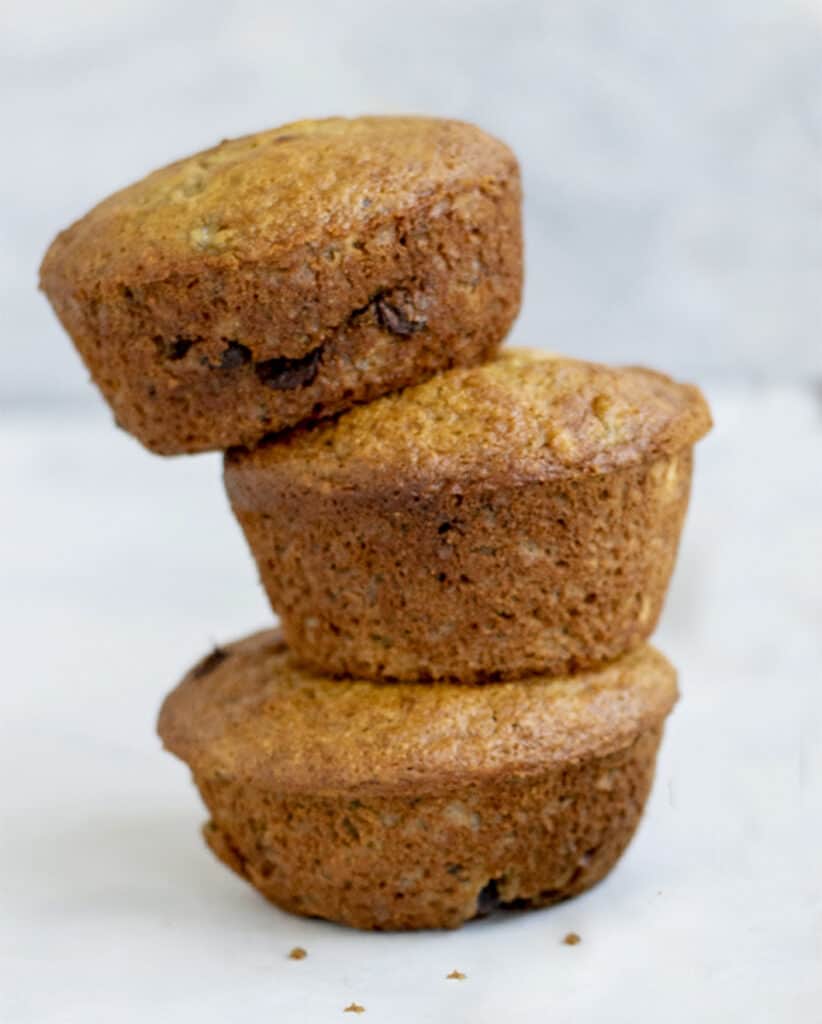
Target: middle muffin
[520, 517]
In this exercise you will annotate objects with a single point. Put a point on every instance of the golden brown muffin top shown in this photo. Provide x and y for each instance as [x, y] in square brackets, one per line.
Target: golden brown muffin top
[247, 712]
[527, 415]
[269, 196]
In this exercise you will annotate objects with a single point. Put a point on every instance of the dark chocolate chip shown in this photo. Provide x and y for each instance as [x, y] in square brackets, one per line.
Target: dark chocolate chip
[178, 348]
[444, 527]
[289, 374]
[209, 663]
[488, 899]
[351, 828]
[518, 903]
[174, 349]
[394, 320]
[234, 356]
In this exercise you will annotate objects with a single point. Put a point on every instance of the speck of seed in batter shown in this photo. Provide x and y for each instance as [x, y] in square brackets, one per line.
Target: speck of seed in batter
[354, 1008]
[298, 953]
[457, 976]
[572, 939]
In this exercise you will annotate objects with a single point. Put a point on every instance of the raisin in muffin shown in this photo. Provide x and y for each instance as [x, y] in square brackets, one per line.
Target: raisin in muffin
[493, 522]
[290, 274]
[416, 805]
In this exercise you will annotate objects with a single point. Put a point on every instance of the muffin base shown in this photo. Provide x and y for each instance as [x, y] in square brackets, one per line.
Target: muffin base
[437, 860]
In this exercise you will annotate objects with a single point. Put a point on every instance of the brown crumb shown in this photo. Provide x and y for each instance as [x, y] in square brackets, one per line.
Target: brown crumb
[457, 975]
[354, 1008]
[298, 953]
[572, 939]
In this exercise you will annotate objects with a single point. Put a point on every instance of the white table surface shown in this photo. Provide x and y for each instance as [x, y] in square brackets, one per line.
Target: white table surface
[119, 570]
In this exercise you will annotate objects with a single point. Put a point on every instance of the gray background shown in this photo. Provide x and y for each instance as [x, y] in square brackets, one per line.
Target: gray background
[671, 152]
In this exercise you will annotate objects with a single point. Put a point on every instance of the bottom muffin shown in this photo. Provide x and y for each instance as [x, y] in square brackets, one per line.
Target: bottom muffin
[416, 805]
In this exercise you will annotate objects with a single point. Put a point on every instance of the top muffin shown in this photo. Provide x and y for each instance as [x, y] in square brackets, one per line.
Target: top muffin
[290, 274]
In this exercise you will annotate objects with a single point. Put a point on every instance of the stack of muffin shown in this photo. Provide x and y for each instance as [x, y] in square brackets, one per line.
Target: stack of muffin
[467, 551]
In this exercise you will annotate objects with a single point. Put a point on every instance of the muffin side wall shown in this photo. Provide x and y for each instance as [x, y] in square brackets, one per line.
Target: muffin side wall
[496, 580]
[436, 860]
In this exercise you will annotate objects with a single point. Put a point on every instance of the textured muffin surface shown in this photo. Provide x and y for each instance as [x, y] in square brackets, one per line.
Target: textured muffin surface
[509, 519]
[416, 805]
[526, 415]
[250, 709]
[291, 273]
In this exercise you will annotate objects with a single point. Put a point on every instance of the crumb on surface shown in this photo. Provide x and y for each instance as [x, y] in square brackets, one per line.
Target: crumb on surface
[354, 1008]
[456, 975]
[572, 939]
[298, 953]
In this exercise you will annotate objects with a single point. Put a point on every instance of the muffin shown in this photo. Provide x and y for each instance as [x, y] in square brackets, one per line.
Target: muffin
[416, 805]
[494, 522]
[290, 274]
